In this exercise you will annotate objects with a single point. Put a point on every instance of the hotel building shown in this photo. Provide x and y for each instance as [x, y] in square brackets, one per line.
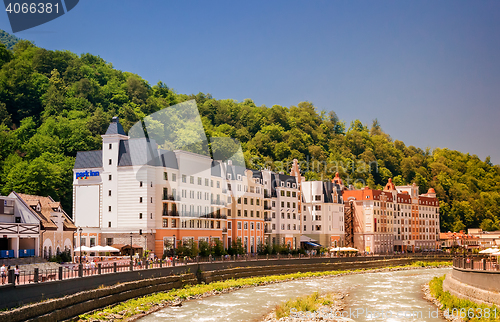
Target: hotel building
[394, 219]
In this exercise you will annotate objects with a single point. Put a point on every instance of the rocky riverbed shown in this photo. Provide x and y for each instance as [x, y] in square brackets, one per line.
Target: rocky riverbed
[428, 296]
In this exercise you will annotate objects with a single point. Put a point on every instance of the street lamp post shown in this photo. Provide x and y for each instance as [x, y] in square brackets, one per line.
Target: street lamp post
[131, 260]
[80, 243]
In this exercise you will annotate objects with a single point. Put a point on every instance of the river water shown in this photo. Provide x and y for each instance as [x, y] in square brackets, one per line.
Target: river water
[383, 296]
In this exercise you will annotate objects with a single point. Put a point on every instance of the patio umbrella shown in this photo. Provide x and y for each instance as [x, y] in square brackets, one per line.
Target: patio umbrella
[335, 249]
[110, 249]
[82, 248]
[489, 251]
[97, 249]
[351, 249]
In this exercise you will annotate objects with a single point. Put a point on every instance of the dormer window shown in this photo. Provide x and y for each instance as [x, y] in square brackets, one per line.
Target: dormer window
[228, 176]
[282, 184]
[239, 177]
[294, 185]
[288, 184]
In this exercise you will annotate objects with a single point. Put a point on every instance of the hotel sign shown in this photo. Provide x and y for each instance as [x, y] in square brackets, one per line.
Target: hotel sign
[86, 174]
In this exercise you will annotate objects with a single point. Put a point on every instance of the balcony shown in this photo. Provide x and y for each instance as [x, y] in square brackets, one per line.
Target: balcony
[171, 213]
[267, 195]
[224, 230]
[169, 197]
[267, 207]
[218, 202]
[267, 231]
[267, 219]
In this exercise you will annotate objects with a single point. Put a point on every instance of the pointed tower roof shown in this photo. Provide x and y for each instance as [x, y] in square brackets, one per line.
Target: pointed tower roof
[337, 179]
[115, 127]
[389, 186]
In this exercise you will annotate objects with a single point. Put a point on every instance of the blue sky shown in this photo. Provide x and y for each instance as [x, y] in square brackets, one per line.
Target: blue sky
[428, 70]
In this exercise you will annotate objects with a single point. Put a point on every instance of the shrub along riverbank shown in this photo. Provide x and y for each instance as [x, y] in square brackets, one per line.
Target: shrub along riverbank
[135, 308]
[455, 307]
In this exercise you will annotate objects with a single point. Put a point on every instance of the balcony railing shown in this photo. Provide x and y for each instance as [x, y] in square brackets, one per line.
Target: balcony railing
[267, 219]
[168, 197]
[267, 195]
[218, 202]
[267, 230]
[267, 207]
[171, 213]
[224, 230]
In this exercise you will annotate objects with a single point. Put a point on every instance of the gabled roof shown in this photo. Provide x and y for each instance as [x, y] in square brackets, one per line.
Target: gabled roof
[115, 127]
[137, 152]
[46, 208]
[88, 159]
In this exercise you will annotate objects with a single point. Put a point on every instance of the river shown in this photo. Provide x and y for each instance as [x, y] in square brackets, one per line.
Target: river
[382, 296]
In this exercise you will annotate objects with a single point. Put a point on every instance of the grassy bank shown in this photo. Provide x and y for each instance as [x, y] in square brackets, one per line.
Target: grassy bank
[130, 308]
[463, 308]
[305, 303]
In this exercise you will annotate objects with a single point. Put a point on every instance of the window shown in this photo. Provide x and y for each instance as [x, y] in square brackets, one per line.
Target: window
[288, 204]
[206, 182]
[245, 213]
[305, 227]
[229, 225]
[239, 224]
[317, 197]
[218, 184]
[251, 226]
[109, 224]
[151, 199]
[245, 225]
[109, 208]
[109, 193]
[165, 176]
[257, 202]
[110, 162]
[109, 241]
[317, 207]
[165, 223]
[184, 178]
[110, 146]
[174, 177]
[140, 199]
[245, 201]
[251, 201]
[282, 193]
[191, 179]
[199, 181]
[140, 215]
[239, 212]
[109, 178]
[140, 183]
[288, 193]
[282, 215]
[294, 194]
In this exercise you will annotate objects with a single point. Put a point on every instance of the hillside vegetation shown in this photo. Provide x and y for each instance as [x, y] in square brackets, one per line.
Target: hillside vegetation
[55, 103]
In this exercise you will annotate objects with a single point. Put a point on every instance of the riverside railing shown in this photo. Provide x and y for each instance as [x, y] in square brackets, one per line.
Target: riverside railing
[71, 270]
[476, 263]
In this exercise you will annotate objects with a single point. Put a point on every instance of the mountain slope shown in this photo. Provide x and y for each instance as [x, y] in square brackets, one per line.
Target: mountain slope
[55, 103]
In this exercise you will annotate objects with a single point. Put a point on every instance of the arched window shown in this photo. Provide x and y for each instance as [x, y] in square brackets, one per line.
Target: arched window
[45, 254]
[50, 252]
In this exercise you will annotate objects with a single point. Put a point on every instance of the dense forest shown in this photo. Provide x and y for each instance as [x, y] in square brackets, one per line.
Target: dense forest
[55, 103]
[8, 40]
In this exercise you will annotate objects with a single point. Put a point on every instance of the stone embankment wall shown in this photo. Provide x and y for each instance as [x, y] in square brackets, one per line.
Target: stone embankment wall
[81, 295]
[475, 285]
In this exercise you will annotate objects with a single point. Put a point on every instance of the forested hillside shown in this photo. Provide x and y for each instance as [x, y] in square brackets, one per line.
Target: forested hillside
[55, 103]
[7, 39]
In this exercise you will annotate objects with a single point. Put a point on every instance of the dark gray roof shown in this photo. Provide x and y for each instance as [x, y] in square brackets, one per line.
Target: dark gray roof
[216, 170]
[168, 159]
[115, 127]
[256, 173]
[137, 152]
[287, 178]
[88, 159]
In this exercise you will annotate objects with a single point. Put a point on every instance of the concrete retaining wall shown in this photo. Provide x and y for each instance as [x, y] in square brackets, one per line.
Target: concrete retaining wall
[477, 286]
[82, 296]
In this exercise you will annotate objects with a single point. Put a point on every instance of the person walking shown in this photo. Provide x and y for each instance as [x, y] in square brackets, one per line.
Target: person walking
[3, 273]
[16, 274]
